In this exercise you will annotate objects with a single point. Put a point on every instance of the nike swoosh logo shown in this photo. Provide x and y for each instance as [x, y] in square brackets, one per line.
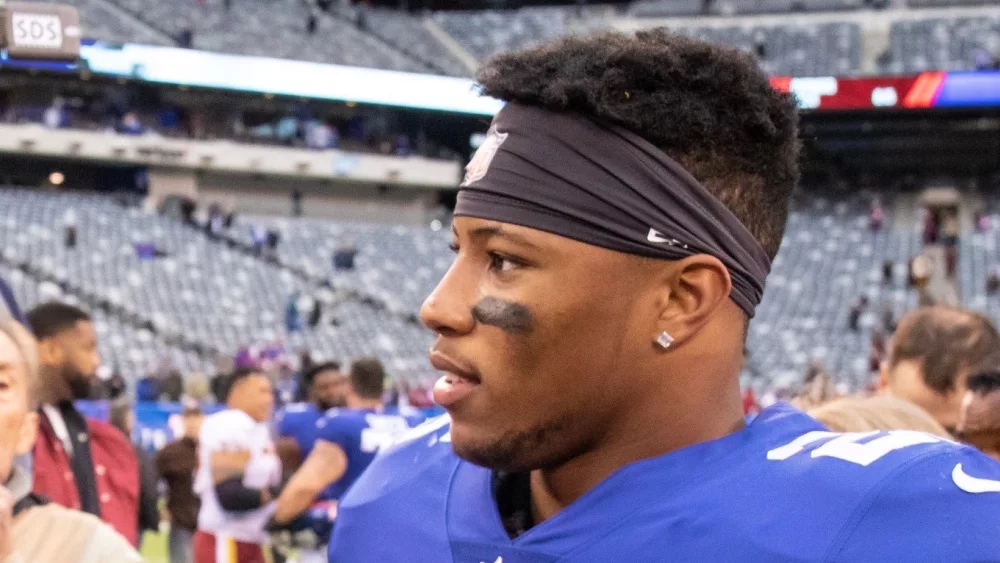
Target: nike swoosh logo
[972, 484]
[655, 236]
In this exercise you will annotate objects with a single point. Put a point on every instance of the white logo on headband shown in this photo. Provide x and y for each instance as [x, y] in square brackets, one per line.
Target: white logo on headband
[656, 237]
[480, 163]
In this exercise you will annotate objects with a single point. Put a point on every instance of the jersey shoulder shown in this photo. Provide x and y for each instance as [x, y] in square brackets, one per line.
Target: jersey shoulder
[940, 505]
[296, 414]
[337, 424]
[852, 466]
[870, 496]
[411, 455]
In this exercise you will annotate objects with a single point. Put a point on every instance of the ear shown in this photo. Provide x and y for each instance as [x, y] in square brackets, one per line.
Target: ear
[27, 433]
[50, 353]
[695, 289]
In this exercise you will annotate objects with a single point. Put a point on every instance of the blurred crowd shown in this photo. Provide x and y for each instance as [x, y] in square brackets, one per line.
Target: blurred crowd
[89, 472]
[301, 125]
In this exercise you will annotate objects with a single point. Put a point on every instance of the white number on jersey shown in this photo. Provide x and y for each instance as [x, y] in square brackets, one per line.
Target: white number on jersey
[382, 431]
[847, 448]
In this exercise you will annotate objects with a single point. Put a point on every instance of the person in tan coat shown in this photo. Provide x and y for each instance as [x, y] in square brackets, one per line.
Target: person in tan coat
[31, 529]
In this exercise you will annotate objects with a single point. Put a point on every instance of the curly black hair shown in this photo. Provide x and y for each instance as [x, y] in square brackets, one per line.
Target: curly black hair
[709, 107]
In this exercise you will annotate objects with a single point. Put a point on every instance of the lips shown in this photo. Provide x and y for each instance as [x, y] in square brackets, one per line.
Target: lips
[457, 382]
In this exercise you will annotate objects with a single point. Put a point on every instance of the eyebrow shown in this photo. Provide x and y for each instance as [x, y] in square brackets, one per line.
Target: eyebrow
[493, 231]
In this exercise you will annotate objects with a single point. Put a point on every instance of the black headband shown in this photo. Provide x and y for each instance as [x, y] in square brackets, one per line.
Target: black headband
[602, 185]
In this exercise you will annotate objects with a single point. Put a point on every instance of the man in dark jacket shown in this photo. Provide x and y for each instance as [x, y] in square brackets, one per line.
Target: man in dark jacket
[176, 464]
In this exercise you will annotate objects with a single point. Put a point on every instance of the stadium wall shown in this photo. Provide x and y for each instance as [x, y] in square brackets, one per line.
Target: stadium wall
[338, 201]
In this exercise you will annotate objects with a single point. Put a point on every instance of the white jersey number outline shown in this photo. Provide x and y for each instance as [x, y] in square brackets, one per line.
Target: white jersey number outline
[847, 448]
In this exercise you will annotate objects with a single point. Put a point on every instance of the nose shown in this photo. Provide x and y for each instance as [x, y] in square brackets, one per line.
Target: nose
[447, 310]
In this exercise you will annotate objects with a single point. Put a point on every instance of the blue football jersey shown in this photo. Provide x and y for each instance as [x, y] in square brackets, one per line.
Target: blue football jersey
[413, 416]
[360, 433]
[298, 422]
[784, 489]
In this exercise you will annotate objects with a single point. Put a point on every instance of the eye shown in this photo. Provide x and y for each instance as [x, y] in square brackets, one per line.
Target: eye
[453, 247]
[501, 263]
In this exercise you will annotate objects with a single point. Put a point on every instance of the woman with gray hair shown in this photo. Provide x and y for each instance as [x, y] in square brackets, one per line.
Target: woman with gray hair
[27, 522]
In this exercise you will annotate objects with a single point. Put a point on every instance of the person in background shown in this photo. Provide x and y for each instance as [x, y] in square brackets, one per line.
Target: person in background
[326, 388]
[273, 239]
[979, 422]
[931, 225]
[82, 464]
[876, 354]
[887, 272]
[147, 389]
[983, 223]
[286, 387]
[293, 323]
[931, 355]
[69, 220]
[854, 316]
[238, 472]
[297, 429]
[993, 280]
[172, 387]
[817, 388]
[197, 387]
[344, 254]
[867, 414]
[32, 530]
[55, 116]
[876, 216]
[888, 318]
[122, 417]
[345, 442]
[176, 464]
[316, 313]
[115, 386]
[258, 236]
[130, 124]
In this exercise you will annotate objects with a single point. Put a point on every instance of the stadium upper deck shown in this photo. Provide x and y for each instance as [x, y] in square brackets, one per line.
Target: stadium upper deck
[791, 37]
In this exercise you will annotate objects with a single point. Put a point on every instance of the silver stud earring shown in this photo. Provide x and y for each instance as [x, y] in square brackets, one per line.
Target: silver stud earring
[664, 340]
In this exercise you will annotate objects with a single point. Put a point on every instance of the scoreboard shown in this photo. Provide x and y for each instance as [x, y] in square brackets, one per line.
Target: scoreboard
[38, 31]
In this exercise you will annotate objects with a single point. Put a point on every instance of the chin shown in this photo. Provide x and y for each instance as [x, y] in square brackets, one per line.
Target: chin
[506, 450]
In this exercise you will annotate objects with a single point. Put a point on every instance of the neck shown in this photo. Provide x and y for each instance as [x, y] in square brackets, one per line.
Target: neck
[363, 403]
[54, 390]
[698, 413]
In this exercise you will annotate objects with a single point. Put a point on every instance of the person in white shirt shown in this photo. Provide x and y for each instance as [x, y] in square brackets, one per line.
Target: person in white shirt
[239, 474]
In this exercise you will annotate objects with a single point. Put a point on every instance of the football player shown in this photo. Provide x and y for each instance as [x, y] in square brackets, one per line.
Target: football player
[613, 235]
[345, 442]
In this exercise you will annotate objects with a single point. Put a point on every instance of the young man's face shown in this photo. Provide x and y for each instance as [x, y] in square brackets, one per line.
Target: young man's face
[255, 396]
[543, 329]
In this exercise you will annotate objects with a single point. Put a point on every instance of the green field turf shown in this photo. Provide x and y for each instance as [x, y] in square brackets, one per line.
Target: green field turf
[154, 547]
